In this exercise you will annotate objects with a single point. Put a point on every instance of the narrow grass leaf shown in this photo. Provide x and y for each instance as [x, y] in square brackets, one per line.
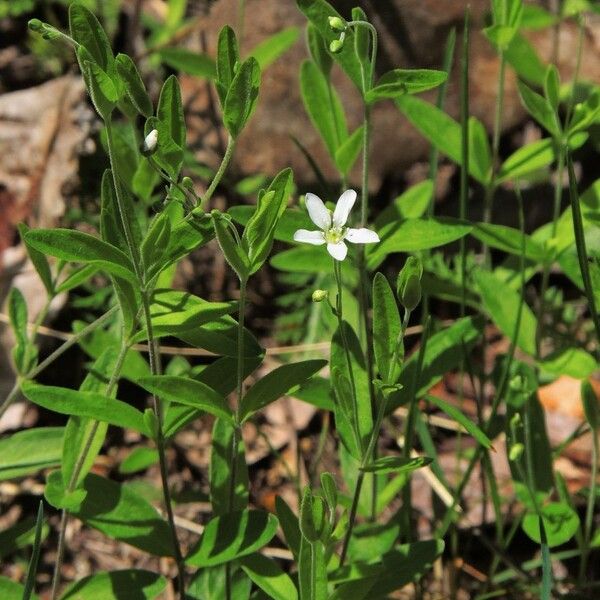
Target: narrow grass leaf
[116, 585]
[269, 577]
[269, 50]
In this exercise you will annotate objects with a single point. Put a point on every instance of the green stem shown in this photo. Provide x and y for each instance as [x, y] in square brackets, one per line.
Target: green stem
[582, 254]
[218, 175]
[237, 434]
[64, 519]
[352, 516]
[571, 102]
[14, 393]
[539, 334]
[490, 188]
[153, 352]
[589, 513]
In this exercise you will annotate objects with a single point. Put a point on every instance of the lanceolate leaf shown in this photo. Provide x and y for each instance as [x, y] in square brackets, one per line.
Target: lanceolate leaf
[396, 464]
[405, 81]
[85, 404]
[29, 451]
[269, 577]
[114, 585]
[136, 90]
[502, 302]
[39, 260]
[123, 515]
[269, 50]
[386, 327]
[192, 63]
[242, 97]
[76, 246]
[232, 536]
[277, 383]
[189, 392]
[170, 111]
[416, 234]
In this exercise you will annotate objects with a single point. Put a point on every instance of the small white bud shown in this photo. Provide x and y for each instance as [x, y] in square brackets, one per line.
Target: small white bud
[319, 295]
[150, 143]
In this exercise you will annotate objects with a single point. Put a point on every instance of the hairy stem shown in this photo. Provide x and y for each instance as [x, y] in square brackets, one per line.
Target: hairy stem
[219, 174]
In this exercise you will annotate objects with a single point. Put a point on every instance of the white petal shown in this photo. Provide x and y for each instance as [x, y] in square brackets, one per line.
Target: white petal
[309, 237]
[317, 212]
[338, 251]
[361, 236]
[343, 207]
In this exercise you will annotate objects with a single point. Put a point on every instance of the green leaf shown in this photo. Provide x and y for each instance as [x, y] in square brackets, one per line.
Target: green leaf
[17, 314]
[38, 259]
[139, 459]
[411, 204]
[461, 419]
[134, 86]
[86, 30]
[502, 303]
[242, 97]
[269, 50]
[76, 246]
[326, 112]
[386, 328]
[480, 151]
[11, 590]
[318, 49]
[535, 17]
[552, 87]
[523, 58]
[540, 109]
[156, 240]
[355, 372]
[574, 362]
[116, 585]
[232, 536]
[289, 524]
[30, 451]
[20, 535]
[591, 406]
[85, 404]
[312, 571]
[318, 13]
[277, 383]
[191, 63]
[348, 151]
[396, 464]
[101, 88]
[259, 233]
[189, 392]
[269, 577]
[221, 472]
[560, 524]
[405, 81]
[444, 352]
[228, 56]
[234, 254]
[416, 234]
[509, 240]
[84, 437]
[170, 111]
[35, 554]
[175, 312]
[123, 515]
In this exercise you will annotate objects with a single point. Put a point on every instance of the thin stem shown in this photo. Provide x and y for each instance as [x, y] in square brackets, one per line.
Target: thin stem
[64, 519]
[589, 513]
[218, 175]
[582, 254]
[237, 434]
[241, 14]
[352, 516]
[153, 351]
[14, 393]
[571, 102]
[155, 368]
[490, 188]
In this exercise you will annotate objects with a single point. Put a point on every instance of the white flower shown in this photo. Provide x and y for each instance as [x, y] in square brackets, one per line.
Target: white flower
[150, 142]
[333, 226]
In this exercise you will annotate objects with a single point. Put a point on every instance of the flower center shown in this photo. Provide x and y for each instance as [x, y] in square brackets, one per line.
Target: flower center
[335, 235]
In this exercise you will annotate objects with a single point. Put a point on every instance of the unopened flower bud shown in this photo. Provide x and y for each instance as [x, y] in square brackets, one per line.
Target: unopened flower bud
[150, 143]
[319, 295]
[35, 25]
[408, 285]
[337, 24]
[187, 183]
[336, 46]
[516, 452]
